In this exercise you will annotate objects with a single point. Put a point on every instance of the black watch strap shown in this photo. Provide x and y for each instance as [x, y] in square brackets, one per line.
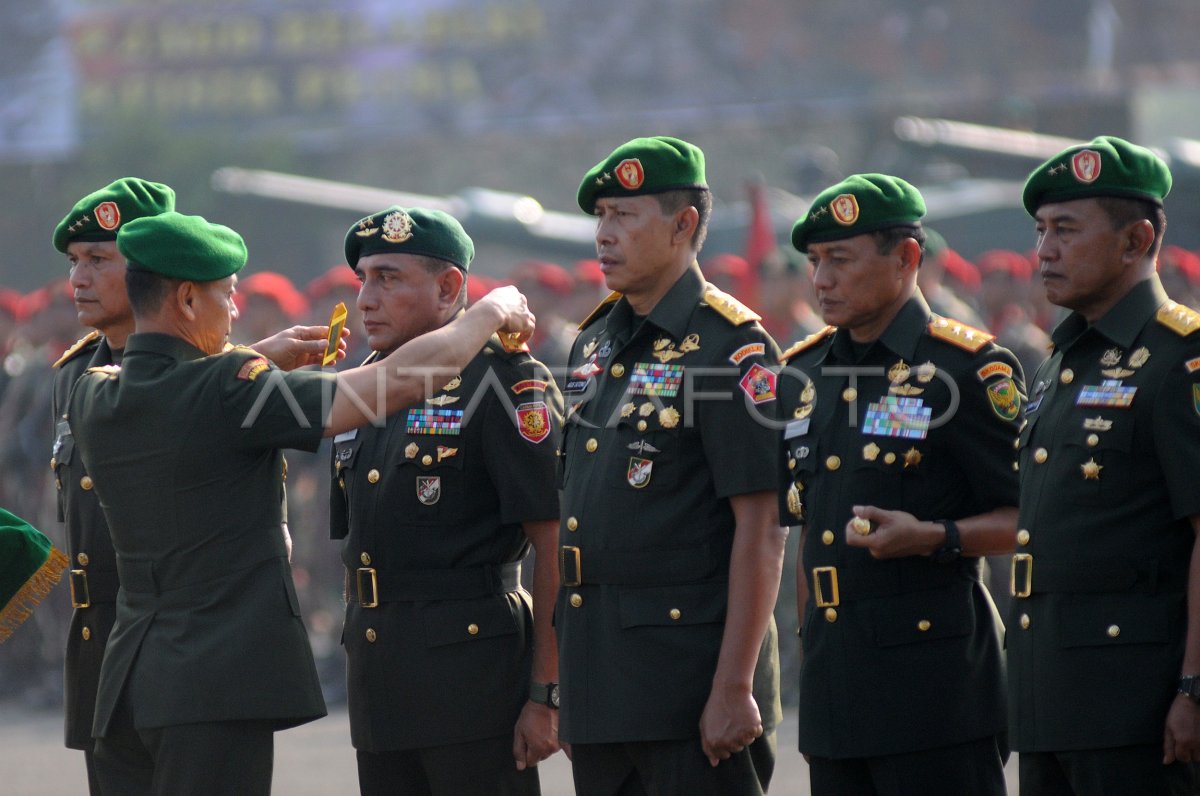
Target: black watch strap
[951, 549]
[1189, 684]
[544, 694]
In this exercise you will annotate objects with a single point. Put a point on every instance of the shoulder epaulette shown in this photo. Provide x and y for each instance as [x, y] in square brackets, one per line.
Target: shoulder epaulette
[1179, 318]
[77, 347]
[601, 308]
[243, 349]
[107, 370]
[807, 343]
[728, 307]
[959, 334]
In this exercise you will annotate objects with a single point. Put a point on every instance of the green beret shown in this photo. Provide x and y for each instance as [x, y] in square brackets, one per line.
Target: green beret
[430, 233]
[99, 215]
[29, 568]
[1106, 166]
[644, 166]
[859, 204]
[182, 247]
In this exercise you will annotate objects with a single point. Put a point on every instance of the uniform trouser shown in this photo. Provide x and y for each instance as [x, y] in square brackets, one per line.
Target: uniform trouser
[185, 759]
[89, 760]
[1105, 772]
[485, 768]
[975, 767]
[668, 768]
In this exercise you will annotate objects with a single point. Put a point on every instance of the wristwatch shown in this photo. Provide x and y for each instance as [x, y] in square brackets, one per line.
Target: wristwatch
[1190, 684]
[544, 694]
[951, 549]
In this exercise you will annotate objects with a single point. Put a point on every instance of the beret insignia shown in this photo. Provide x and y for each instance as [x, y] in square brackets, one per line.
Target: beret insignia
[108, 215]
[630, 174]
[397, 227]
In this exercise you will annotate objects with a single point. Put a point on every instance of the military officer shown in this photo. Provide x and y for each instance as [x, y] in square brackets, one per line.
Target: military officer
[1104, 639]
[898, 460]
[437, 508]
[671, 545]
[87, 236]
[208, 655]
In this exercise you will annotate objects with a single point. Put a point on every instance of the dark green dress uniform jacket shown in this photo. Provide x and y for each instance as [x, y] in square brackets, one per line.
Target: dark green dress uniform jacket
[93, 574]
[668, 418]
[431, 506]
[1109, 461]
[184, 452]
[900, 654]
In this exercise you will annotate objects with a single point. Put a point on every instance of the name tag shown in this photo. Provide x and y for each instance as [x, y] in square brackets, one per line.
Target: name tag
[346, 436]
[796, 428]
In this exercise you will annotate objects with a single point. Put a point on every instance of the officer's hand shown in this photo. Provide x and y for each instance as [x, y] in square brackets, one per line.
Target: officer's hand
[729, 724]
[1181, 738]
[299, 346]
[536, 735]
[516, 319]
[893, 534]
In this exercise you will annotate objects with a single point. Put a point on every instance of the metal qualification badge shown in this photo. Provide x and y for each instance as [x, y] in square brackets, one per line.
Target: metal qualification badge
[337, 321]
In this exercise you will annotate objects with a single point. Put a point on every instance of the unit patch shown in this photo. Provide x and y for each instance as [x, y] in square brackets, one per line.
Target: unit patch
[533, 421]
[845, 209]
[994, 369]
[429, 489]
[630, 174]
[1005, 399]
[758, 384]
[530, 384]
[638, 474]
[252, 367]
[1085, 165]
[748, 350]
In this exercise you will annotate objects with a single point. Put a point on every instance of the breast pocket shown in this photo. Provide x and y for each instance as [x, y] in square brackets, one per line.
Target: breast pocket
[880, 471]
[1097, 459]
[429, 485]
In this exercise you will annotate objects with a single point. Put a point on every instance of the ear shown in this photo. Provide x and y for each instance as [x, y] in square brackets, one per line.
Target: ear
[186, 296]
[450, 284]
[1138, 240]
[685, 222]
[909, 252]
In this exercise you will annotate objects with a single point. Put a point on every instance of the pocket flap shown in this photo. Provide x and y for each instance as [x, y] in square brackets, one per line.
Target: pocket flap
[691, 604]
[460, 621]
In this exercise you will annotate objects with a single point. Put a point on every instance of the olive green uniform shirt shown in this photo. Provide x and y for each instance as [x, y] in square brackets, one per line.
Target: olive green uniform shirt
[184, 452]
[1109, 459]
[669, 417]
[900, 654]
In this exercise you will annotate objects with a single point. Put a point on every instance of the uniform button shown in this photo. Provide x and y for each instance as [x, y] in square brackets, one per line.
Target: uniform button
[572, 524]
[1017, 444]
[591, 445]
[371, 635]
[1022, 537]
[1113, 631]
[830, 614]
[1041, 455]
[827, 537]
[833, 462]
[86, 633]
[1024, 621]
[924, 625]
[86, 482]
[373, 476]
[427, 460]
[1016, 467]
[791, 464]
[473, 629]
[1067, 376]
[889, 458]
[641, 425]
[58, 484]
[365, 558]
[576, 600]
[849, 394]
[53, 462]
[83, 559]
[1093, 440]
[618, 370]
[675, 613]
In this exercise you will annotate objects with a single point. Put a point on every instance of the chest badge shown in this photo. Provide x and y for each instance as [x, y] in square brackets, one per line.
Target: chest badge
[590, 347]
[638, 474]
[429, 489]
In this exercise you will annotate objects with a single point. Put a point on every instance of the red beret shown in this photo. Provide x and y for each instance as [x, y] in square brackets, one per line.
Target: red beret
[731, 265]
[277, 288]
[588, 272]
[1005, 261]
[547, 276]
[10, 302]
[337, 277]
[1188, 263]
[960, 269]
[479, 286]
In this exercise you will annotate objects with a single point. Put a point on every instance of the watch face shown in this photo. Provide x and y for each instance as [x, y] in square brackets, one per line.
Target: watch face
[554, 695]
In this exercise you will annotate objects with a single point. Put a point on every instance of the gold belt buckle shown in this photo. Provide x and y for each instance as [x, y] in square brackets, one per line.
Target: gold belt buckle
[562, 565]
[1027, 586]
[374, 583]
[819, 593]
[80, 576]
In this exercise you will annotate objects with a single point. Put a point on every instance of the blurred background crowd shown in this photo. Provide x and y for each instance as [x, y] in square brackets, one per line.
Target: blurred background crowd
[288, 120]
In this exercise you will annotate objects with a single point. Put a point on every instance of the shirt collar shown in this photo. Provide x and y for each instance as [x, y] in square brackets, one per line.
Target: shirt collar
[672, 313]
[166, 344]
[901, 335]
[1123, 322]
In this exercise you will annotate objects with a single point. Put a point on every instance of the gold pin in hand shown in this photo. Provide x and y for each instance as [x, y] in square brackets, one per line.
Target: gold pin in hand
[860, 525]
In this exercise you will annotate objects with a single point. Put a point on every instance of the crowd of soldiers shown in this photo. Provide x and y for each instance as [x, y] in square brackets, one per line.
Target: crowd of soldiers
[652, 457]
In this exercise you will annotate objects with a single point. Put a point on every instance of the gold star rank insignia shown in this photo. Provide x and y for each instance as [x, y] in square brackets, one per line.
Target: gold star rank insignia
[1091, 470]
[669, 417]
[912, 458]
